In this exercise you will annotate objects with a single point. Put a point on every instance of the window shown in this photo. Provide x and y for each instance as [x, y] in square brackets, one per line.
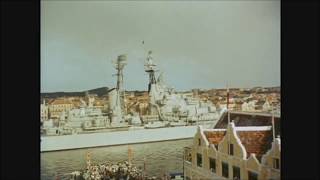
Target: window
[276, 163]
[212, 163]
[188, 157]
[199, 160]
[231, 149]
[236, 173]
[199, 142]
[225, 170]
[252, 176]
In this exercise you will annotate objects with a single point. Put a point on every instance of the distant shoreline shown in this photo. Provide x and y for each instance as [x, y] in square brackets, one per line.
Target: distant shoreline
[104, 90]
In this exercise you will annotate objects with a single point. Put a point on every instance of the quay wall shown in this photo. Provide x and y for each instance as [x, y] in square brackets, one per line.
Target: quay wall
[77, 141]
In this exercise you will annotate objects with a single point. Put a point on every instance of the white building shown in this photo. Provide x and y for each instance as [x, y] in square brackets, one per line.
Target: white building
[44, 111]
[266, 106]
[57, 106]
[249, 107]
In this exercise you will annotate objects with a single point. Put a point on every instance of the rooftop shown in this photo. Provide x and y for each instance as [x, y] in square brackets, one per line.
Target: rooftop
[249, 119]
[60, 101]
[257, 142]
[255, 139]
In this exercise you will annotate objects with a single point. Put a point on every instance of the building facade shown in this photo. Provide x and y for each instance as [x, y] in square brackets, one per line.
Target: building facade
[244, 152]
[57, 106]
[44, 112]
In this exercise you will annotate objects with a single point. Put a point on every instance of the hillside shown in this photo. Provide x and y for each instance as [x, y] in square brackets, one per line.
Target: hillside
[99, 91]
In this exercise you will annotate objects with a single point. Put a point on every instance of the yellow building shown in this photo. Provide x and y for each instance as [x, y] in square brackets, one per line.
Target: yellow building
[235, 152]
[59, 105]
[100, 103]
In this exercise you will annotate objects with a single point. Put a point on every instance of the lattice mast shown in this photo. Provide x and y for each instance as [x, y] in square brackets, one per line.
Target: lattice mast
[119, 66]
[150, 69]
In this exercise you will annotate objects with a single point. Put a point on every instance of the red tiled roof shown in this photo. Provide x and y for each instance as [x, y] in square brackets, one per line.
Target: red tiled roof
[258, 142]
[248, 119]
[50, 101]
[60, 101]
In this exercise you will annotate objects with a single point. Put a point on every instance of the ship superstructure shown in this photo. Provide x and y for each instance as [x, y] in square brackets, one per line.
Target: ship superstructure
[87, 117]
[90, 118]
[171, 107]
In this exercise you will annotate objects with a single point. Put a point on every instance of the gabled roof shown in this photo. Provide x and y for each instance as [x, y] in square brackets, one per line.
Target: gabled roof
[255, 139]
[60, 101]
[249, 119]
[257, 142]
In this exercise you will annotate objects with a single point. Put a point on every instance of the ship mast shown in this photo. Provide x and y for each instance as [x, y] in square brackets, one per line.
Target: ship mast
[150, 69]
[119, 65]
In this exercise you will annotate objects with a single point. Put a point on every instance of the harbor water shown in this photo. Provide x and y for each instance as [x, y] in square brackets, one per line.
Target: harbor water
[158, 158]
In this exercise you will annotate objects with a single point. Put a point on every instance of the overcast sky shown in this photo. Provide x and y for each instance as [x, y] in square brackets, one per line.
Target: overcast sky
[205, 44]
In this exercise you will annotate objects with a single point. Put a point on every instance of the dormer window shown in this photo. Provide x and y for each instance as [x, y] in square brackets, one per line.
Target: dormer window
[231, 149]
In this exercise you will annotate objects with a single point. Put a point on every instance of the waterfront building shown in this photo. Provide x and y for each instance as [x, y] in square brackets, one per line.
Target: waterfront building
[99, 103]
[259, 105]
[143, 108]
[248, 147]
[249, 106]
[44, 111]
[59, 105]
[76, 102]
[266, 106]
[195, 92]
[232, 105]
[237, 106]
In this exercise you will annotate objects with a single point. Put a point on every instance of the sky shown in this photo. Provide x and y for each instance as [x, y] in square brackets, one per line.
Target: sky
[206, 44]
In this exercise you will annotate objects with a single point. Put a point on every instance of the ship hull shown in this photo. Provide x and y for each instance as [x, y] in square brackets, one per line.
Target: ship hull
[77, 141]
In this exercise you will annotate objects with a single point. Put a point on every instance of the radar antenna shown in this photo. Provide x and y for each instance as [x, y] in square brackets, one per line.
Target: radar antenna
[150, 69]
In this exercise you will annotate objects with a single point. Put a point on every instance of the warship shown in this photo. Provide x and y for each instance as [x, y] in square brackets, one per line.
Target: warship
[171, 115]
